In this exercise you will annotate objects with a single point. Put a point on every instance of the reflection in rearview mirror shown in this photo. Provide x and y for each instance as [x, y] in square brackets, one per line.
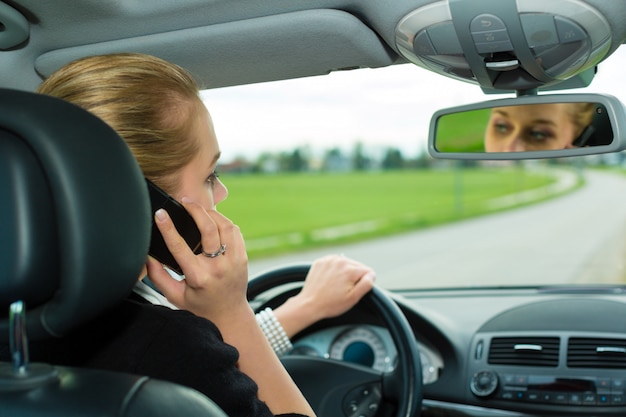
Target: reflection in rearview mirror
[541, 127]
[528, 126]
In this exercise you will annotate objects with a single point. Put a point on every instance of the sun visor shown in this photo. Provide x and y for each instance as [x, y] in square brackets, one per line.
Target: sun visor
[291, 45]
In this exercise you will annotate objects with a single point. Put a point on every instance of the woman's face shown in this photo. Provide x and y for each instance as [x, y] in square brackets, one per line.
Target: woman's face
[529, 128]
[198, 180]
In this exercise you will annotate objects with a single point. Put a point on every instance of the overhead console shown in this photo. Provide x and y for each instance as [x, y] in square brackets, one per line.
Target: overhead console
[507, 44]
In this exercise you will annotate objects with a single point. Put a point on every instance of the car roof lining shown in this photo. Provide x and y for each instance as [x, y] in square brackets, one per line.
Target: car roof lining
[222, 42]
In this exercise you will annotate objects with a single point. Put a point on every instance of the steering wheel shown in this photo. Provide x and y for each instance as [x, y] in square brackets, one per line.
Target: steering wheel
[337, 388]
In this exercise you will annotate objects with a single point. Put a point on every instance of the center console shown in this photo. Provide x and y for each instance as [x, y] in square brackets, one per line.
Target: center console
[567, 373]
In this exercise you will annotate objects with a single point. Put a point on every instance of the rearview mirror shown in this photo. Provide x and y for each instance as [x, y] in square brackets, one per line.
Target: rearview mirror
[545, 126]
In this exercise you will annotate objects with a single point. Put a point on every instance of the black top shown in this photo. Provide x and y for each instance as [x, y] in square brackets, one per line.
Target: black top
[174, 345]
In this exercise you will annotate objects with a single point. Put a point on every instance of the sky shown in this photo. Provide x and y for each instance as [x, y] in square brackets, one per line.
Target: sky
[388, 107]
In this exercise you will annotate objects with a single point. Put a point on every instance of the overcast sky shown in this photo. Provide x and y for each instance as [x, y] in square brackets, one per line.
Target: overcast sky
[380, 108]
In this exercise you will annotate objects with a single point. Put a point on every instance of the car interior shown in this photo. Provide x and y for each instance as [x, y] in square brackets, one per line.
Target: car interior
[53, 239]
[538, 349]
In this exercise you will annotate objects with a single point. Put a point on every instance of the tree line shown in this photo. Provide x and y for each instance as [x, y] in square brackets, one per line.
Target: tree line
[302, 159]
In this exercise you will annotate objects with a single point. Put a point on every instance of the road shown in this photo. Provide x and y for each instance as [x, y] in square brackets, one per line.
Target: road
[580, 237]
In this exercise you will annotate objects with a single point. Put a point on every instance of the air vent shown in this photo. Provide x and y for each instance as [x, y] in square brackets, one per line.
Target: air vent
[596, 353]
[524, 351]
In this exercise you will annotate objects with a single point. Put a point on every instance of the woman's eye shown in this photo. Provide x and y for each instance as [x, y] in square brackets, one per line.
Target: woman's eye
[538, 135]
[501, 128]
[212, 178]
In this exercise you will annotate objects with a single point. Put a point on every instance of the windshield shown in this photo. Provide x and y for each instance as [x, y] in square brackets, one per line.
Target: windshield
[339, 163]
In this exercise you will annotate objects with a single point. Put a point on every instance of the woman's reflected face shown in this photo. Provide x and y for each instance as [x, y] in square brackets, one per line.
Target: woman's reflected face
[529, 128]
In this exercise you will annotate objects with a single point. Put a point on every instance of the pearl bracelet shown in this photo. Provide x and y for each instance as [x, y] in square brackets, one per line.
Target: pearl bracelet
[274, 331]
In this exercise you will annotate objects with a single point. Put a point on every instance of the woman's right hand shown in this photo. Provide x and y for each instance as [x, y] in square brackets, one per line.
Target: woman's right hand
[214, 288]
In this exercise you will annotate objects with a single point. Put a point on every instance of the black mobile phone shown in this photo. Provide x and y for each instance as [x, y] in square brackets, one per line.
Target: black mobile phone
[183, 222]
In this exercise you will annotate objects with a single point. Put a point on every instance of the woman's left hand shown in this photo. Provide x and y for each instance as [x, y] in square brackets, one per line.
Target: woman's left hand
[333, 285]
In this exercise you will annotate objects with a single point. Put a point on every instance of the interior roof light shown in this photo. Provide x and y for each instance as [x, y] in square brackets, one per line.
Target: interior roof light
[505, 44]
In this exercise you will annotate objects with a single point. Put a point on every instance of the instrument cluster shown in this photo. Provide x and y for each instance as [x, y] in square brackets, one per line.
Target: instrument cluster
[365, 345]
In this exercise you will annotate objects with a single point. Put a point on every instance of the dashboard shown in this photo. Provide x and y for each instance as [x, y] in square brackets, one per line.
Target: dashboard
[518, 352]
[365, 345]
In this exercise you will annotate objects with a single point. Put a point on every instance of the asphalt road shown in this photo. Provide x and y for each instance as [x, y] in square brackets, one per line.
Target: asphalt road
[580, 237]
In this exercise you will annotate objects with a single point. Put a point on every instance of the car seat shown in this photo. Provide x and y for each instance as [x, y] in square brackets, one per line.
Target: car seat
[70, 190]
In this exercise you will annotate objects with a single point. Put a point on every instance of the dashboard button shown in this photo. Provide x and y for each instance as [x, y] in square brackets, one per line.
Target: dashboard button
[589, 398]
[507, 395]
[575, 399]
[514, 395]
[617, 399]
[603, 385]
[560, 398]
[534, 396]
[521, 380]
[508, 379]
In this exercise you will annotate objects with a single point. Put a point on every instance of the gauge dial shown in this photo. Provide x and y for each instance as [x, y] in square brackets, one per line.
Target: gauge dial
[362, 346]
[429, 371]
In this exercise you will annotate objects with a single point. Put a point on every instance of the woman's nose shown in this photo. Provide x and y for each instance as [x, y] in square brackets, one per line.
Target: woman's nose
[220, 192]
[515, 144]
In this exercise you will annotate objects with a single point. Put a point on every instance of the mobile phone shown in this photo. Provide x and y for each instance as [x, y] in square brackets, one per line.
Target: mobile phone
[183, 222]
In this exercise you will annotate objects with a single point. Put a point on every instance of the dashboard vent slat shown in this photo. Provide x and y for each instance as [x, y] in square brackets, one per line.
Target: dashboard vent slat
[596, 353]
[524, 351]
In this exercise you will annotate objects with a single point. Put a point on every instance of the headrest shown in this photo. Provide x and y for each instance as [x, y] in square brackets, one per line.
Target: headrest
[74, 214]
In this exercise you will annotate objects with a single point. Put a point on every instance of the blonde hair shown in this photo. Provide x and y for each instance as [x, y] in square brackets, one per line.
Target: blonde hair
[149, 102]
[581, 115]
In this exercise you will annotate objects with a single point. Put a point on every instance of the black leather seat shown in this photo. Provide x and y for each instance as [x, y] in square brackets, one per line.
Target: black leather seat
[70, 192]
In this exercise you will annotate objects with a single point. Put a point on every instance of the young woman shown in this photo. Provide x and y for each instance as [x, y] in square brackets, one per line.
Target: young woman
[536, 127]
[155, 107]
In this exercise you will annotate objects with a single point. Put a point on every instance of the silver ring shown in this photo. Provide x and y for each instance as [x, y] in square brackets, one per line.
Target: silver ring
[220, 251]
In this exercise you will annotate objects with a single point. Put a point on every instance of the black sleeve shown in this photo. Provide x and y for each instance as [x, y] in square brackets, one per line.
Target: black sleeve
[190, 351]
[158, 342]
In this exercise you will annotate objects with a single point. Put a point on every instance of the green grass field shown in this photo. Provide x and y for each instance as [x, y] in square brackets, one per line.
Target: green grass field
[463, 132]
[283, 212]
